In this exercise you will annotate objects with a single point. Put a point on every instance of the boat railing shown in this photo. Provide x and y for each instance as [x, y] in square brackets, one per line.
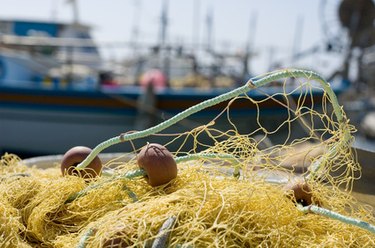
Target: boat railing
[15, 40]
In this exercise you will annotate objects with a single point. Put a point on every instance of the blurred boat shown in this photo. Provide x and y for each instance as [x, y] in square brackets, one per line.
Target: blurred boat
[54, 94]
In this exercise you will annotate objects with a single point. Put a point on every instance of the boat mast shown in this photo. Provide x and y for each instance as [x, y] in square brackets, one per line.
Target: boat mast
[209, 46]
[297, 37]
[75, 11]
[70, 49]
[209, 27]
[54, 11]
[163, 24]
[249, 45]
[135, 29]
[163, 48]
[196, 24]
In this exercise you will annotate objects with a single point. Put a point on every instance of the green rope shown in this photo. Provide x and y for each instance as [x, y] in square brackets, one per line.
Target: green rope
[134, 173]
[333, 215]
[128, 175]
[83, 240]
[163, 125]
[87, 189]
[196, 156]
[141, 172]
[225, 156]
[251, 84]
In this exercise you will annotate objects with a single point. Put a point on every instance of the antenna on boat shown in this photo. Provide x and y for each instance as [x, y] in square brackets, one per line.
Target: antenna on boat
[163, 23]
[209, 26]
[54, 10]
[196, 23]
[136, 20]
[297, 37]
[163, 48]
[75, 10]
[249, 44]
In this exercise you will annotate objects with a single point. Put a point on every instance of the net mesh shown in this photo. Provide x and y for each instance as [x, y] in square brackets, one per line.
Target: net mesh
[213, 202]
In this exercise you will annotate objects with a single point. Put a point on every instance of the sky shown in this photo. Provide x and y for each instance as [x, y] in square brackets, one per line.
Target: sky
[280, 27]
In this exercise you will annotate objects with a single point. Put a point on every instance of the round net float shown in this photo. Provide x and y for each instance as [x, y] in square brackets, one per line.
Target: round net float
[76, 155]
[300, 191]
[158, 163]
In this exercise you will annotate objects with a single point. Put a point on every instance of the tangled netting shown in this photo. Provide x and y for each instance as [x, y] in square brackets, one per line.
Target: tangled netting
[232, 193]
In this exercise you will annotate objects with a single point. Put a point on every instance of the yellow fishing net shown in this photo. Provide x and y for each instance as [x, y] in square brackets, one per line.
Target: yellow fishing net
[230, 192]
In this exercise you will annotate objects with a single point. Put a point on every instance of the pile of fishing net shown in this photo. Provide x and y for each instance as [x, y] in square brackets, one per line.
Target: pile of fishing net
[237, 192]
